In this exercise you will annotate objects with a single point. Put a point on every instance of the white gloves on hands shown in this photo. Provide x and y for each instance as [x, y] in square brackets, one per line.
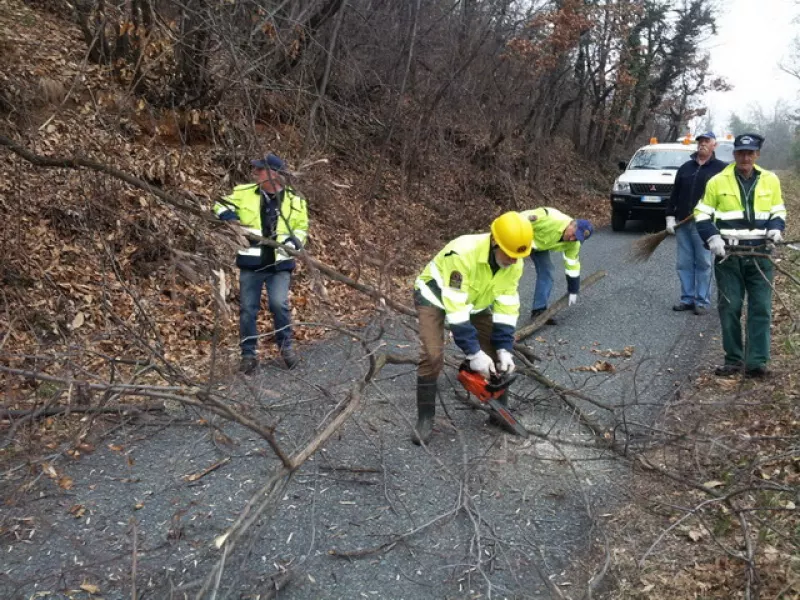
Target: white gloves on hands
[505, 362]
[716, 245]
[671, 225]
[481, 363]
[775, 236]
[573, 298]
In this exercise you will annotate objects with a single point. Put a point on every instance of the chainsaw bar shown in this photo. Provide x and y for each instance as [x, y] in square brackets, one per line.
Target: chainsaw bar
[502, 413]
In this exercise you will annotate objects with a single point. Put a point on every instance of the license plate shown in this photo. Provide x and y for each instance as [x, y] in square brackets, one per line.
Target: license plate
[651, 198]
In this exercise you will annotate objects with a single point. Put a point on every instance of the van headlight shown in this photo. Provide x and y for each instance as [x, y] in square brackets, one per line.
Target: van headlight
[621, 186]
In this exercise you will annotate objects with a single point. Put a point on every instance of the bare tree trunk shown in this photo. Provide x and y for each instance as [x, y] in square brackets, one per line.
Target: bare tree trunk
[412, 38]
[325, 76]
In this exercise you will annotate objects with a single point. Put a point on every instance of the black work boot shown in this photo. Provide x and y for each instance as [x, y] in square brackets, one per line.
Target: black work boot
[289, 357]
[729, 369]
[426, 410]
[248, 365]
[538, 311]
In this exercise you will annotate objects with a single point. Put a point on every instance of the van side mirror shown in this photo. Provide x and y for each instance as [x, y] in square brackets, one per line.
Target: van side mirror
[622, 165]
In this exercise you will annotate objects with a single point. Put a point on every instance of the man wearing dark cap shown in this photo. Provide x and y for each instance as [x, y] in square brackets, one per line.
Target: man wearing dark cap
[553, 230]
[740, 217]
[267, 208]
[693, 258]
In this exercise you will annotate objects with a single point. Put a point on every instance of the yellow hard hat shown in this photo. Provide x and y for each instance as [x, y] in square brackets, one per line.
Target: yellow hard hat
[513, 233]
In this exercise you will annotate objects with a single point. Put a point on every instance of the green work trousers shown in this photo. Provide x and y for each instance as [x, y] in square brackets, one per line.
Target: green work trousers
[737, 276]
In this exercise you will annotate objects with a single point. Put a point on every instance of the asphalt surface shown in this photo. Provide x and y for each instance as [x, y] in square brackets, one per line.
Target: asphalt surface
[482, 514]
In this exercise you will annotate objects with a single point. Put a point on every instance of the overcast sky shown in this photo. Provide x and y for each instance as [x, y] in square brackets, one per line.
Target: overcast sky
[752, 37]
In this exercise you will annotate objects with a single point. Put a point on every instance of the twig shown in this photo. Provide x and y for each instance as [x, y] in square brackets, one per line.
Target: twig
[751, 579]
[203, 473]
[278, 582]
[58, 410]
[134, 561]
[692, 512]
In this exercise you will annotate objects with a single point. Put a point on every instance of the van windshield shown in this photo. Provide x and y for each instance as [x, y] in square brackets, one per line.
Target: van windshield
[724, 152]
[652, 158]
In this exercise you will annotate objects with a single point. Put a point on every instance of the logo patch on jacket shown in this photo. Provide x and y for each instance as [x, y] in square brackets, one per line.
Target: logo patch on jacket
[456, 279]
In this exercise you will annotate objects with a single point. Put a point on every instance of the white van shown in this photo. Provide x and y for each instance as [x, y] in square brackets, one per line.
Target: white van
[646, 181]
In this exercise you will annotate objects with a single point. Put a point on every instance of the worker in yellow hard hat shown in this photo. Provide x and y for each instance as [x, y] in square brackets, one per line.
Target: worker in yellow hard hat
[470, 286]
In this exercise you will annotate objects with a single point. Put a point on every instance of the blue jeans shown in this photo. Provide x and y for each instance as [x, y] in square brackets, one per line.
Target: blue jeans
[250, 285]
[694, 265]
[544, 278]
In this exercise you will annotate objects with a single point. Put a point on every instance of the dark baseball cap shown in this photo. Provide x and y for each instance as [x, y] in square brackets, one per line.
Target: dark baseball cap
[708, 134]
[270, 161]
[583, 230]
[748, 141]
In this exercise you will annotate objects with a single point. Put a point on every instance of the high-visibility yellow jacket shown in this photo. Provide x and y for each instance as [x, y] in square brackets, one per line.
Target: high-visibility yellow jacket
[724, 210]
[245, 203]
[548, 228]
[460, 281]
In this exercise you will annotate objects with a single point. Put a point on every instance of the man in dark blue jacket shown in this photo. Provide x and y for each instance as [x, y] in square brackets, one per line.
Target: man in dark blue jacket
[694, 263]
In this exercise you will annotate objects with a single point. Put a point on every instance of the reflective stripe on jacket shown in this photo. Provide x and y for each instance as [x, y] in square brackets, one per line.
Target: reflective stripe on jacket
[723, 211]
[292, 223]
[548, 228]
[459, 280]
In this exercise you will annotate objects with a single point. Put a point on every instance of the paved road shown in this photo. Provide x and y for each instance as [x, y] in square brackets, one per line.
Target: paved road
[482, 512]
[631, 306]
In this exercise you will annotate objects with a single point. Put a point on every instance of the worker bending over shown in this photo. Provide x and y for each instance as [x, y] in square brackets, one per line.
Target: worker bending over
[471, 286]
[553, 230]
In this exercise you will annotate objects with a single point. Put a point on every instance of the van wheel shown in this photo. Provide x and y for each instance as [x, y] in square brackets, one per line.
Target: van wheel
[618, 218]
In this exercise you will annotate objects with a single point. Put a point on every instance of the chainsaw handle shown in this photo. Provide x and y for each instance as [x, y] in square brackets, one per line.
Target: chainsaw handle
[500, 382]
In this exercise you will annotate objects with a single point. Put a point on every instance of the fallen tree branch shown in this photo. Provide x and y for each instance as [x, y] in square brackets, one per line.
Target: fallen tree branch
[58, 410]
[73, 162]
[601, 432]
[556, 307]
[191, 396]
[266, 499]
[76, 162]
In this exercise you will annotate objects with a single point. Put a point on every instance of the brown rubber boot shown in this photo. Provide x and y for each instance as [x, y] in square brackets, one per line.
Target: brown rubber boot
[426, 410]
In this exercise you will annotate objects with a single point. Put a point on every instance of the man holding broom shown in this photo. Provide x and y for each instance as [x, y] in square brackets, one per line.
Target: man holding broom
[693, 259]
[740, 218]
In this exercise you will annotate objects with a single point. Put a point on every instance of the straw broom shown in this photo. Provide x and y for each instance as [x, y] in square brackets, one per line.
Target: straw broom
[643, 248]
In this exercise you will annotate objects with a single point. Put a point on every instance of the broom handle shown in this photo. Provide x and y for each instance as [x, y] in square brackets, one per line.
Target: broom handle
[684, 221]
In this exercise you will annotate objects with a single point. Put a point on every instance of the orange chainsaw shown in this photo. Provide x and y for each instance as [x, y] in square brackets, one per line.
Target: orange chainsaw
[488, 392]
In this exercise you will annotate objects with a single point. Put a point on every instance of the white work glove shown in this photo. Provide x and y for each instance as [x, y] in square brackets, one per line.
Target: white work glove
[505, 362]
[775, 236]
[716, 245]
[573, 299]
[671, 225]
[482, 364]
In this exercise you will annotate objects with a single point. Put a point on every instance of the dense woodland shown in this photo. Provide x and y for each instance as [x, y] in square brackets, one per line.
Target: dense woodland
[411, 77]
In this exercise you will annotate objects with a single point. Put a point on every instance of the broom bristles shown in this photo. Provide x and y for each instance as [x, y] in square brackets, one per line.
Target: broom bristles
[643, 248]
